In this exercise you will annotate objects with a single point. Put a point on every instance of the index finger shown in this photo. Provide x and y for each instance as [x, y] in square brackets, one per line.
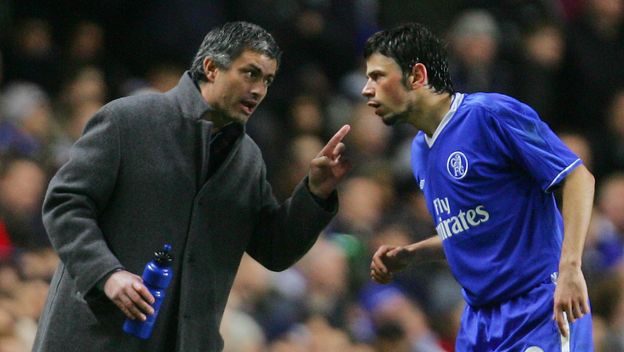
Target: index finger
[333, 142]
[377, 262]
[399, 253]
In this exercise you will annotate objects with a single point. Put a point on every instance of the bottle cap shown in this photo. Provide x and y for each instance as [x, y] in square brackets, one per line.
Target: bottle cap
[164, 257]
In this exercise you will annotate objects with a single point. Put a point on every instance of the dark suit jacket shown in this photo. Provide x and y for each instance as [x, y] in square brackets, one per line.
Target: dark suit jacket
[130, 186]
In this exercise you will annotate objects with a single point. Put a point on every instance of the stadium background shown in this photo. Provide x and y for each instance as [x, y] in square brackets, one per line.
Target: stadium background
[62, 60]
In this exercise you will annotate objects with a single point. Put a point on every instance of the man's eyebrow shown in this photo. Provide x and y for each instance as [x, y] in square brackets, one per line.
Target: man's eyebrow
[254, 66]
[257, 69]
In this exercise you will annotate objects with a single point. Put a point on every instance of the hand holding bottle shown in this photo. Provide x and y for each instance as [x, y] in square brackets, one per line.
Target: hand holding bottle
[128, 293]
[156, 277]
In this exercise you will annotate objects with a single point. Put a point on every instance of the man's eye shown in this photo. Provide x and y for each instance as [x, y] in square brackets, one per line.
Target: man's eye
[268, 81]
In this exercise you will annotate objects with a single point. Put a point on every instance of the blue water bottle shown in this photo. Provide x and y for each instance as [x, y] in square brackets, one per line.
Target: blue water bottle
[156, 277]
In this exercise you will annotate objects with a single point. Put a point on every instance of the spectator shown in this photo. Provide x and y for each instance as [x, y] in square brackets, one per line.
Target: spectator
[593, 68]
[33, 55]
[22, 183]
[580, 145]
[608, 305]
[473, 54]
[540, 69]
[389, 305]
[362, 206]
[86, 48]
[610, 237]
[609, 153]
[26, 127]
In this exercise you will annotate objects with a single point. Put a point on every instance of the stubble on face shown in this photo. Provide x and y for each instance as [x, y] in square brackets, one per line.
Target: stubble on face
[238, 90]
[396, 94]
[394, 117]
[386, 89]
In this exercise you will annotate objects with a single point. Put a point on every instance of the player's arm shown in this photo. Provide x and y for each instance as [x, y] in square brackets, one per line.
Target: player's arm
[571, 294]
[388, 260]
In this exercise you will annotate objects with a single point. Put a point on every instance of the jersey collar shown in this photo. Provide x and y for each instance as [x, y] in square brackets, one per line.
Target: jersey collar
[456, 100]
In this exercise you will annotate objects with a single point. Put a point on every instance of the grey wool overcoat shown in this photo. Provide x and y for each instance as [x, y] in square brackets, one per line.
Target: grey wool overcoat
[135, 181]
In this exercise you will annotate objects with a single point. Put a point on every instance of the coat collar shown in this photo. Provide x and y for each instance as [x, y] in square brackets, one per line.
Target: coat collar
[189, 98]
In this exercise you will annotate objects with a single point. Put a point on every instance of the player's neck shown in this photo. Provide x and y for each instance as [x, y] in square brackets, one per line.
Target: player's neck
[433, 108]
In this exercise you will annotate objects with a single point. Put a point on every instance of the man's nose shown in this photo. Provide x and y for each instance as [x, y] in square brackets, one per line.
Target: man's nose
[259, 90]
[368, 91]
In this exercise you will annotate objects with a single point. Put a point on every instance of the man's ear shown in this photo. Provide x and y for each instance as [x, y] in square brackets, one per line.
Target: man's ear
[418, 77]
[210, 69]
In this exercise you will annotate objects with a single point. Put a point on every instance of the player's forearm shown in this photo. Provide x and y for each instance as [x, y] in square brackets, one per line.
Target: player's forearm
[427, 250]
[578, 196]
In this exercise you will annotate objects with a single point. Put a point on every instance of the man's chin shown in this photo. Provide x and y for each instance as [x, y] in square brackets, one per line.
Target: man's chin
[240, 118]
[390, 120]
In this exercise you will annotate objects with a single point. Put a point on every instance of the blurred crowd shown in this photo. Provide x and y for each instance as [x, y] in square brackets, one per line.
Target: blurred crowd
[60, 61]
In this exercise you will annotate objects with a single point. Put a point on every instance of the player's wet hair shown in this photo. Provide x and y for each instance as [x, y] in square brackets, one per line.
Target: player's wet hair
[225, 44]
[413, 43]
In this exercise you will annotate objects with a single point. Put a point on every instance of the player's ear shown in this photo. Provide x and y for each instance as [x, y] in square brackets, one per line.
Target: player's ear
[210, 69]
[418, 77]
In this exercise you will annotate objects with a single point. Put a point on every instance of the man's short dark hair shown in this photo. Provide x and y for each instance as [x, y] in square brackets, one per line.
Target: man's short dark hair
[225, 44]
[413, 43]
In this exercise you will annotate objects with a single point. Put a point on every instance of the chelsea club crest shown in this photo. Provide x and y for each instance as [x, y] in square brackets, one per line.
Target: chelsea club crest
[457, 165]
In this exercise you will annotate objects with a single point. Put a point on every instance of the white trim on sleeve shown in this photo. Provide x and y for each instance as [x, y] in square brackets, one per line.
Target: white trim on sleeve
[558, 177]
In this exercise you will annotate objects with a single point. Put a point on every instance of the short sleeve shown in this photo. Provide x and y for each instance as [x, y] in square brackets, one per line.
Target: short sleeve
[520, 134]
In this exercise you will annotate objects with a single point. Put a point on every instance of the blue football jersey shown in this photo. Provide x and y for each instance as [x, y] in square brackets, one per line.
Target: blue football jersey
[487, 174]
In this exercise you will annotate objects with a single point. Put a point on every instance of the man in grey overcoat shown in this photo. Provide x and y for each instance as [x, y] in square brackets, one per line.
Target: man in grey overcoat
[176, 168]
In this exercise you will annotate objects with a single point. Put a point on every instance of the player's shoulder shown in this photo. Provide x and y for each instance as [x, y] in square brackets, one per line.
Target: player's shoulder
[491, 102]
[496, 107]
